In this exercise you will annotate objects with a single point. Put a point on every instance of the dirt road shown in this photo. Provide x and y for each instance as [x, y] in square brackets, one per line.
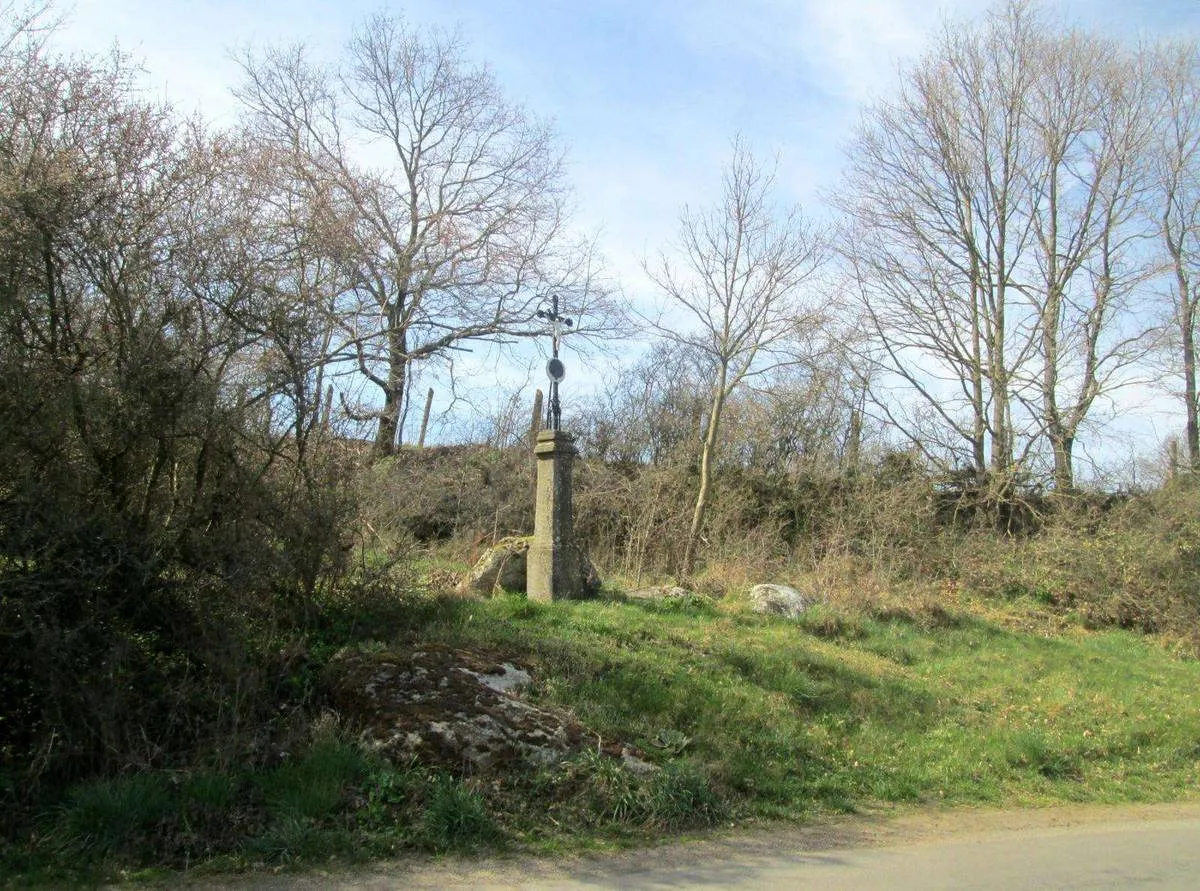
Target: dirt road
[1080, 847]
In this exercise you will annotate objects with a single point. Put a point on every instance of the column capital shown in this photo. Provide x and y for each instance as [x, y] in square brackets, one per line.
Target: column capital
[554, 441]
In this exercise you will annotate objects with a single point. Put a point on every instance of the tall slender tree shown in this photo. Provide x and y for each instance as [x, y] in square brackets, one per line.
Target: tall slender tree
[734, 297]
[1089, 117]
[934, 233]
[1175, 209]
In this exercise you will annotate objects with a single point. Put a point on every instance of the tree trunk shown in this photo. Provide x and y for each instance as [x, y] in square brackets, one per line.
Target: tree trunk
[326, 409]
[1188, 332]
[1063, 446]
[1002, 438]
[425, 418]
[706, 458]
[387, 436]
[389, 423]
[853, 443]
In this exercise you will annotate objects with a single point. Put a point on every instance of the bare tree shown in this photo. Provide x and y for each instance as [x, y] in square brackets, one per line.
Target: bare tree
[646, 412]
[452, 200]
[1175, 208]
[933, 234]
[735, 280]
[992, 234]
[1088, 113]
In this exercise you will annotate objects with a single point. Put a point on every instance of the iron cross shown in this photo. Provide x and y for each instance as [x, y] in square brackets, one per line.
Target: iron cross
[554, 368]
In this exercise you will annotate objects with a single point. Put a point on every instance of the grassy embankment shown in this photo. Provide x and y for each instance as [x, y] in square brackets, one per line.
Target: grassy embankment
[953, 702]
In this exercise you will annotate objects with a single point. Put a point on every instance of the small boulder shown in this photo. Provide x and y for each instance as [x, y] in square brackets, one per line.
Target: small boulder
[780, 600]
[592, 582]
[502, 566]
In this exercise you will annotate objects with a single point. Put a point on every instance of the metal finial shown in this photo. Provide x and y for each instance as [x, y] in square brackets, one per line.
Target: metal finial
[555, 369]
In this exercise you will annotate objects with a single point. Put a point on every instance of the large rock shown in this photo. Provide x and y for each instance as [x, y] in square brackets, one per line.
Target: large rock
[780, 600]
[455, 708]
[504, 565]
[591, 578]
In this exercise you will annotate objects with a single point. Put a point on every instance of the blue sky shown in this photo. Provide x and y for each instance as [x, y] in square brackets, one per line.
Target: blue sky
[645, 93]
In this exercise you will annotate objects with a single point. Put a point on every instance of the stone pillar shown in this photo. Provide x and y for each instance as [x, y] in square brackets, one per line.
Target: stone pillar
[553, 571]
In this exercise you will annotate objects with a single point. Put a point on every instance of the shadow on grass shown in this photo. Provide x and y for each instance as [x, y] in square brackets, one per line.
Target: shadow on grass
[819, 686]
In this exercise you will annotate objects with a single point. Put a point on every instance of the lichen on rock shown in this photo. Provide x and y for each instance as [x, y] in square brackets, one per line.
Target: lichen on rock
[454, 708]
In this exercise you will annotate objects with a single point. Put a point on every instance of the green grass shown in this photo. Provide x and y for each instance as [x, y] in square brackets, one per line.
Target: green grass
[844, 711]
[110, 817]
[312, 786]
[747, 718]
[457, 817]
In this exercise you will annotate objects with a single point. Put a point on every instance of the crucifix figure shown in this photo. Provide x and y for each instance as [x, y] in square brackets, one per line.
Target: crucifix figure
[555, 369]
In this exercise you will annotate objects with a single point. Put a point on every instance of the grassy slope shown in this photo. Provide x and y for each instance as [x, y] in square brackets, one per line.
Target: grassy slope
[752, 717]
[847, 710]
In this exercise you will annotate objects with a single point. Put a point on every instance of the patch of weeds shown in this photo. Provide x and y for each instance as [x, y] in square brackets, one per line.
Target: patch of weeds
[293, 838]
[891, 785]
[1015, 590]
[208, 793]
[456, 817]
[519, 606]
[671, 741]
[893, 649]
[680, 797]
[390, 794]
[609, 792]
[303, 800]
[209, 816]
[1031, 751]
[690, 604]
[118, 816]
[317, 783]
[926, 614]
[830, 623]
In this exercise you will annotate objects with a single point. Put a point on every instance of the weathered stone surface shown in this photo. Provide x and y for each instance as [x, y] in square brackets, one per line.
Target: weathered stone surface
[455, 708]
[555, 571]
[502, 566]
[780, 600]
[591, 578]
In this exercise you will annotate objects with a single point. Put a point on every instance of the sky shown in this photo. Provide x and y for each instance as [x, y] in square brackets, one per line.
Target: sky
[646, 94]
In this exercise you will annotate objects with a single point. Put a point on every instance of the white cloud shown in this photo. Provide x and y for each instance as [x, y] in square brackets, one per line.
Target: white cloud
[848, 49]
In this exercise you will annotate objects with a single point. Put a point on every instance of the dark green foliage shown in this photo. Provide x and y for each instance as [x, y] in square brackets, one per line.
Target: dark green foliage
[166, 503]
[315, 784]
[118, 816]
